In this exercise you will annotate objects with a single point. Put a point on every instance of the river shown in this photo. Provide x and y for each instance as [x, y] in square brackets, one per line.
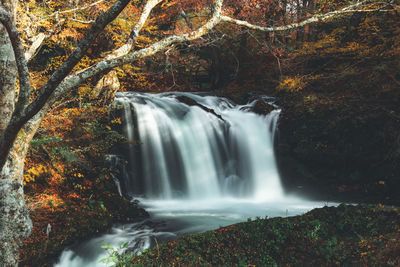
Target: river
[195, 162]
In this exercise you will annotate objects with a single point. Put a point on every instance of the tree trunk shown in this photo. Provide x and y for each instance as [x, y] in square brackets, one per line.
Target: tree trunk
[8, 73]
[15, 224]
[14, 217]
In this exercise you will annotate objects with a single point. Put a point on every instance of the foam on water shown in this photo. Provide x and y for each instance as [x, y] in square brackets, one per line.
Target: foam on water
[203, 162]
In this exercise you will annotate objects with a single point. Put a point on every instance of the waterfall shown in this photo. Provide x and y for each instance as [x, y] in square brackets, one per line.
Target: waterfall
[193, 146]
[195, 163]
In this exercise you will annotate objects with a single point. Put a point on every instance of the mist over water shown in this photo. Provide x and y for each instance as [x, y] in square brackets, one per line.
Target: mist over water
[195, 162]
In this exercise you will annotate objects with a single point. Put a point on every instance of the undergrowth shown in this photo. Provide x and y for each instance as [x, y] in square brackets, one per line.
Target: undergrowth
[329, 236]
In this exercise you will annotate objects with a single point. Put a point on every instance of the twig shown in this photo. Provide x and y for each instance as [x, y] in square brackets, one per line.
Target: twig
[55, 14]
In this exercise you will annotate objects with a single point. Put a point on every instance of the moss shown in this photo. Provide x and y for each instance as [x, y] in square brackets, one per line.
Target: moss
[346, 235]
[73, 220]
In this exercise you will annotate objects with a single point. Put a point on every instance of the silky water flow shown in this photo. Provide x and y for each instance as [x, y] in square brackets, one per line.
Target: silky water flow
[195, 162]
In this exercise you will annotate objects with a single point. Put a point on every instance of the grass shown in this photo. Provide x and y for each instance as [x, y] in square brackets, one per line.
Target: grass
[329, 236]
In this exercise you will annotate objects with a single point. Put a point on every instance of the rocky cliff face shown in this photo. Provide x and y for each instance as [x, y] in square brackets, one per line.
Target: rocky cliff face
[345, 150]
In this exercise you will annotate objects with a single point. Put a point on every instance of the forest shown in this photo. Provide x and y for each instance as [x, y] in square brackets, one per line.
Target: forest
[199, 133]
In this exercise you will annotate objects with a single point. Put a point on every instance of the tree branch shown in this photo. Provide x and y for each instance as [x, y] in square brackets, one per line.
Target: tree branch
[18, 120]
[118, 59]
[313, 19]
[60, 83]
[55, 14]
[37, 43]
[24, 80]
[56, 78]
[74, 80]
[126, 48]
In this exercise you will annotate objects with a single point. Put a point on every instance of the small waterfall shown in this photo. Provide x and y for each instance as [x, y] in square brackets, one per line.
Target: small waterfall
[195, 163]
[185, 145]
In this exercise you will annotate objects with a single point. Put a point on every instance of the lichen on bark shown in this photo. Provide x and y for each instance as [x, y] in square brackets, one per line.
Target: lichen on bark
[15, 224]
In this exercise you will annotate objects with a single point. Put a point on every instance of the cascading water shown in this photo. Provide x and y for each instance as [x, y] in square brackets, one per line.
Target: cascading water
[198, 147]
[196, 163]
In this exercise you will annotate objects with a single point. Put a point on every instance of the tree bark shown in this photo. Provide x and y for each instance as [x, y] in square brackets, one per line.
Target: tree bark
[20, 118]
[15, 224]
[16, 131]
[8, 73]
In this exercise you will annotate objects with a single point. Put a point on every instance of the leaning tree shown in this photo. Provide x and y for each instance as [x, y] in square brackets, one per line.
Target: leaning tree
[21, 114]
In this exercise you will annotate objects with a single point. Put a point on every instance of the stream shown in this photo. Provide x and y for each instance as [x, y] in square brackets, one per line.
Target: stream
[195, 162]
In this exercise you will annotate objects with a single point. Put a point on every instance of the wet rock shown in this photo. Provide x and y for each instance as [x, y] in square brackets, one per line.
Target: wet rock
[262, 108]
[190, 102]
[339, 150]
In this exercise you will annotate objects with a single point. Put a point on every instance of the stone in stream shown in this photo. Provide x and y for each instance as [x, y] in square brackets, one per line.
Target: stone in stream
[262, 108]
[190, 102]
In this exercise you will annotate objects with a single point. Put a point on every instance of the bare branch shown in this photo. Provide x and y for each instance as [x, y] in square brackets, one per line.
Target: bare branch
[56, 78]
[313, 19]
[123, 50]
[24, 80]
[60, 83]
[81, 21]
[187, 19]
[57, 13]
[18, 120]
[118, 59]
[28, 13]
[74, 80]
[37, 43]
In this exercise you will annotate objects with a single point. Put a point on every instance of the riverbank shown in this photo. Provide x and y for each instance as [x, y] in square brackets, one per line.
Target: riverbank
[79, 212]
[329, 236]
[338, 136]
[83, 206]
[68, 189]
[60, 220]
[331, 147]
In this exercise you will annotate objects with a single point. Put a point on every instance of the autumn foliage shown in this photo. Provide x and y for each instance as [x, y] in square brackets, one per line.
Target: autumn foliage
[311, 66]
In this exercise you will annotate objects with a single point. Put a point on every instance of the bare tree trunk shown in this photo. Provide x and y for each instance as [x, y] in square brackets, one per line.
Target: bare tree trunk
[16, 135]
[8, 73]
[15, 224]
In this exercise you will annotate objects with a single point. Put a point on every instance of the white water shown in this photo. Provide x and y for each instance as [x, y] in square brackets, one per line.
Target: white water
[193, 171]
[187, 152]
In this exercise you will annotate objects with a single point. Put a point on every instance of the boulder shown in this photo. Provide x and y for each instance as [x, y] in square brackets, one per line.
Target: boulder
[190, 102]
[262, 108]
